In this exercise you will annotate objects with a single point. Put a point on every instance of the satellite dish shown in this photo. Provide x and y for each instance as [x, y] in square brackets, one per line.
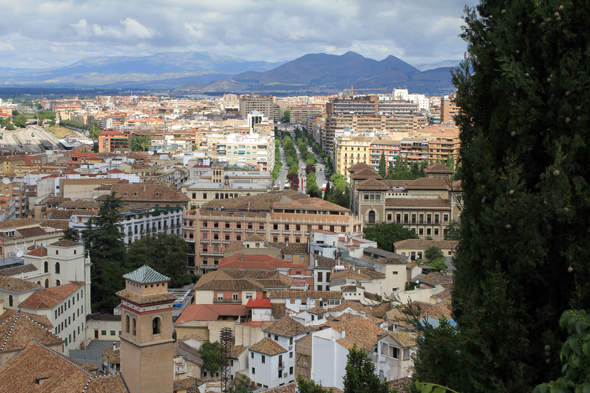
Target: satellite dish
[20, 254]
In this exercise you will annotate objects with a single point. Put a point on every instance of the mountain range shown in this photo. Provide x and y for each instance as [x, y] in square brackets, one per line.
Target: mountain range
[207, 72]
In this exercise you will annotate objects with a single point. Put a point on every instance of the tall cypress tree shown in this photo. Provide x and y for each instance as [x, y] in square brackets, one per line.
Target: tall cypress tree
[382, 166]
[523, 258]
[390, 169]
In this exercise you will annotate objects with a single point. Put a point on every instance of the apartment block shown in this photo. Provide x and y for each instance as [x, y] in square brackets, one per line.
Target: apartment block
[260, 103]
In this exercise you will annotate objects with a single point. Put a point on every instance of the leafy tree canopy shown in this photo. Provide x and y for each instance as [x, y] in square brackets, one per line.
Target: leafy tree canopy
[164, 253]
[388, 233]
[211, 354]
[433, 253]
[360, 374]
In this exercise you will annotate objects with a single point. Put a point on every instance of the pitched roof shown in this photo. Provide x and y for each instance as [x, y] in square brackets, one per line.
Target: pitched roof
[38, 251]
[211, 312]
[268, 347]
[31, 232]
[187, 352]
[148, 192]
[23, 222]
[305, 294]
[325, 262]
[40, 319]
[288, 327]
[16, 284]
[19, 328]
[438, 168]
[65, 243]
[258, 303]
[433, 279]
[424, 244]
[113, 355]
[13, 271]
[371, 184]
[145, 274]
[50, 297]
[428, 183]
[404, 338]
[356, 306]
[359, 331]
[418, 202]
[58, 373]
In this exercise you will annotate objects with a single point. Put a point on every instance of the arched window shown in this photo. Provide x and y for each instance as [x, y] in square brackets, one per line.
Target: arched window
[10, 301]
[134, 326]
[372, 217]
[47, 283]
[57, 269]
[127, 324]
[156, 326]
[46, 264]
[57, 283]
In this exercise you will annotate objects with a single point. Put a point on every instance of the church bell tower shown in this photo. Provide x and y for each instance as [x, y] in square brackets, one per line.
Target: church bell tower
[146, 335]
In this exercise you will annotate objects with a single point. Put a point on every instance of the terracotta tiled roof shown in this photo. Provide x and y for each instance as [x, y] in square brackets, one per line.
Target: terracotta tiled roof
[58, 373]
[65, 243]
[17, 285]
[415, 202]
[356, 306]
[432, 279]
[325, 262]
[57, 224]
[267, 346]
[211, 312]
[258, 303]
[289, 248]
[81, 204]
[246, 261]
[305, 294]
[278, 310]
[148, 192]
[254, 238]
[40, 319]
[187, 352]
[428, 183]
[288, 327]
[56, 214]
[308, 204]
[50, 297]
[438, 168]
[113, 355]
[16, 331]
[404, 338]
[317, 310]
[13, 271]
[289, 388]
[38, 252]
[358, 331]
[359, 166]
[31, 232]
[425, 244]
[19, 223]
[371, 184]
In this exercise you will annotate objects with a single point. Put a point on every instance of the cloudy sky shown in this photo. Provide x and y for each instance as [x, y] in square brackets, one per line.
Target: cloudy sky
[39, 34]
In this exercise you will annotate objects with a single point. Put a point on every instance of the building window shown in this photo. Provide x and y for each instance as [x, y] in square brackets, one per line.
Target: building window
[10, 301]
[134, 326]
[248, 296]
[112, 333]
[57, 283]
[235, 296]
[57, 269]
[46, 265]
[291, 370]
[253, 369]
[156, 326]
[127, 324]
[263, 359]
[252, 355]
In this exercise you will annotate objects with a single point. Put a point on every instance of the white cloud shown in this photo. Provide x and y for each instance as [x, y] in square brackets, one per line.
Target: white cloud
[419, 31]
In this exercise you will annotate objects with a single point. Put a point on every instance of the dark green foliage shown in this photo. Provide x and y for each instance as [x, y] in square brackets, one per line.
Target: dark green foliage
[286, 116]
[382, 166]
[103, 239]
[575, 354]
[212, 356]
[341, 193]
[164, 253]
[139, 143]
[5, 123]
[453, 231]
[20, 121]
[241, 384]
[438, 263]
[71, 234]
[304, 386]
[312, 187]
[433, 253]
[360, 374]
[327, 192]
[94, 128]
[388, 233]
[525, 163]
[450, 162]
[390, 169]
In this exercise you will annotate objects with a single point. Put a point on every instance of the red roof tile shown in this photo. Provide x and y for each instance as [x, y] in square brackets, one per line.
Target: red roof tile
[50, 297]
[258, 303]
[211, 312]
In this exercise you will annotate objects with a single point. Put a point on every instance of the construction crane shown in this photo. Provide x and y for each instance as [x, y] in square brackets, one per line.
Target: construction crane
[352, 89]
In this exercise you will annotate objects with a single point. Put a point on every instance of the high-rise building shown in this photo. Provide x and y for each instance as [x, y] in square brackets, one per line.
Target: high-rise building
[260, 103]
[448, 110]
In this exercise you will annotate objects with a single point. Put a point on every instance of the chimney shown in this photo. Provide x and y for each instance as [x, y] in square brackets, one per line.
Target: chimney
[114, 346]
[343, 332]
[144, 187]
[1, 306]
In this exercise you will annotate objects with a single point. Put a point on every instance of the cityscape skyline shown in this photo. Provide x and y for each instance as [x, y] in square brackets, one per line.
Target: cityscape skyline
[60, 33]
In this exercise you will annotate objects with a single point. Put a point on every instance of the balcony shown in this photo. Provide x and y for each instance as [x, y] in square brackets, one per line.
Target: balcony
[286, 232]
[188, 228]
[206, 266]
[226, 229]
[296, 232]
[235, 301]
[275, 231]
[249, 230]
[211, 254]
[215, 241]
[261, 231]
[216, 229]
[205, 241]
[238, 230]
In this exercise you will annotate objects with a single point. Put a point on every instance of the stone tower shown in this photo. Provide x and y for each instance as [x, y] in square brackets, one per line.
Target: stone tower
[146, 335]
